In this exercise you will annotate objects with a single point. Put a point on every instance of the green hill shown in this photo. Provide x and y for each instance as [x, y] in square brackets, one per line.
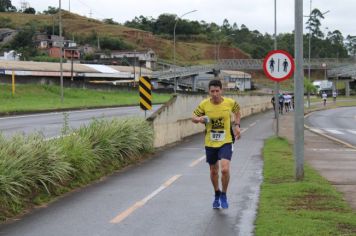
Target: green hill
[79, 27]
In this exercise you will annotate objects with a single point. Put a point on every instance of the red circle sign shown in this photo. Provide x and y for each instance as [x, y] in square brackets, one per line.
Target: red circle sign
[278, 65]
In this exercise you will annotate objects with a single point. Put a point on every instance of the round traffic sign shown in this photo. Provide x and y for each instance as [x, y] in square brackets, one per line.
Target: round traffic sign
[278, 65]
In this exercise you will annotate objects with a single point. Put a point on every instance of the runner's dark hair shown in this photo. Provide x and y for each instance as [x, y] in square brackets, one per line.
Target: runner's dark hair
[216, 83]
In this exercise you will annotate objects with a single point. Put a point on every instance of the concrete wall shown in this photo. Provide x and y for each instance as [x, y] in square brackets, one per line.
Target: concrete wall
[172, 122]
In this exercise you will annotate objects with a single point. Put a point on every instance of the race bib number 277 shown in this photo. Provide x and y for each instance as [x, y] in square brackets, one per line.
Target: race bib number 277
[217, 135]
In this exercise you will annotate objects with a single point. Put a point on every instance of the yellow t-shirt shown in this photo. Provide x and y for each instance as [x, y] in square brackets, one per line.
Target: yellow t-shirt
[219, 125]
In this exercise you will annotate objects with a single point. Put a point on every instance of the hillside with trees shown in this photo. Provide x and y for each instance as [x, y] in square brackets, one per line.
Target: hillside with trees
[197, 42]
[256, 44]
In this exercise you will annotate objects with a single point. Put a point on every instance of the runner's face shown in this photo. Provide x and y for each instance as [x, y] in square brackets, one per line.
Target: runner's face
[215, 93]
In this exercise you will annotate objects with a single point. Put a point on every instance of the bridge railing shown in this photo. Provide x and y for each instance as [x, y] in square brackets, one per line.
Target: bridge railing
[256, 64]
[250, 64]
[343, 71]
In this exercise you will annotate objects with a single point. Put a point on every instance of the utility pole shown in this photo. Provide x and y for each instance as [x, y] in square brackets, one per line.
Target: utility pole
[276, 84]
[299, 93]
[174, 49]
[309, 52]
[61, 48]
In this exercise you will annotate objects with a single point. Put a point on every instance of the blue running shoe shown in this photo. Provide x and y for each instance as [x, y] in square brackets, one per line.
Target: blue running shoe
[223, 201]
[216, 203]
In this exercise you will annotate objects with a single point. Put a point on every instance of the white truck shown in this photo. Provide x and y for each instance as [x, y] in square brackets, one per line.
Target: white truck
[323, 85]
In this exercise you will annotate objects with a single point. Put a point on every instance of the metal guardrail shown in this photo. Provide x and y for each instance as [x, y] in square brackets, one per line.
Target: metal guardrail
[331, 64]
[256, 64]
[343, 71]
[181, 72]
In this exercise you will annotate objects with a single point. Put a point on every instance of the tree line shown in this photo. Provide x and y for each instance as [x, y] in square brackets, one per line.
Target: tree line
[330, 45]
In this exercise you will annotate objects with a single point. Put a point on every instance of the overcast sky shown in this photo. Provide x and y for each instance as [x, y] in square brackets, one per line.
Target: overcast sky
[255, 14]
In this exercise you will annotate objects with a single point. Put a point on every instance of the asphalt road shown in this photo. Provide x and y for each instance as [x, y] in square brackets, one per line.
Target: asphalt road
[169, 194]
[51, 124]
[339, 123]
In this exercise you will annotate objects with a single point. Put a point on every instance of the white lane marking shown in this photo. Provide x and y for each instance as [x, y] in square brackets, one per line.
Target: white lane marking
[70, 111]
[123, 215]
[243, 130]
[333, 131]
[317, 130]
[254, 123]
[352, 131]
[332, 150]
[196, 162]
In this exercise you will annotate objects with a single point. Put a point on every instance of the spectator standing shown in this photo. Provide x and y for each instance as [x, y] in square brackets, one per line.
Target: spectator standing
[324, 97]
[334, 95]
[281, 103]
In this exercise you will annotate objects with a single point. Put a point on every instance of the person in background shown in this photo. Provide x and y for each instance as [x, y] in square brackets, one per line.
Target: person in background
[281, 103]
[324, 97]
[334, 95]
[273, 103]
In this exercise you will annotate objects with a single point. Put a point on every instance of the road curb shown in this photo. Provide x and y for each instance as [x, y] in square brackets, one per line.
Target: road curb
[327, 136]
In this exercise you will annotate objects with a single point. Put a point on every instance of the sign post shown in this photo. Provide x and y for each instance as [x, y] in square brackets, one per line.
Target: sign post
[278, 65]
[145, 88]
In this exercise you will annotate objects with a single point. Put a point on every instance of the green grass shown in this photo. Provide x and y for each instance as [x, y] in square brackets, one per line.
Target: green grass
[42, 97]
[308, 207]
[34, 171]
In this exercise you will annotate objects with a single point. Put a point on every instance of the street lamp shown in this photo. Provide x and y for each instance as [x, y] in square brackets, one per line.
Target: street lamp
[61, 49]
[220, 44]
[309, 48]
[174, 49]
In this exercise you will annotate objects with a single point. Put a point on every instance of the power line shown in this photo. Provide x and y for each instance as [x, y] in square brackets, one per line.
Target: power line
[90, 8]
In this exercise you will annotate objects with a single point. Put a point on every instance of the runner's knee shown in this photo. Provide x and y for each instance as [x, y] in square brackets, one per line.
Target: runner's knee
[225, 170]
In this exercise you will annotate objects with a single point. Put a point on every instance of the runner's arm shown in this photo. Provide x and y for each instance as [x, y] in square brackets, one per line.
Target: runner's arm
[237, 132]
[198, 119]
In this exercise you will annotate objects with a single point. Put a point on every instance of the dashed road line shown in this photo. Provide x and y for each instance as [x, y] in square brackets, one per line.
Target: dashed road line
[253, 124]
[196, 162]
[334, 131]
[243, 130]
[352, 131]
[123, 215]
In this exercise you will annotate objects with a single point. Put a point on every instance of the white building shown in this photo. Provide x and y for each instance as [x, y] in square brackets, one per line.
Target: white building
[236, 80]
[10, 56]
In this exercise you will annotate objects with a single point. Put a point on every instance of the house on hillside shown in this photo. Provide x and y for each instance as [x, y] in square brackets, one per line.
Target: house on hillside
[52, 43]
[146, 58]
[7, 35]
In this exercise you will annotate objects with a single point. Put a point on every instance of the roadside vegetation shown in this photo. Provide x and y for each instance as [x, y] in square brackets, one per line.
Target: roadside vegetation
[309, 207]
[29, 98]
[34, 171]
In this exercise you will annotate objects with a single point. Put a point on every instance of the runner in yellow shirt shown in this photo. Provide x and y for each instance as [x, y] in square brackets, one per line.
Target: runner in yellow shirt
[215, 113]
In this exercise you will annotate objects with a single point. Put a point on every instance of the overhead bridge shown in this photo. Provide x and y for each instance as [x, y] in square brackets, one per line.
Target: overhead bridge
[348, 71]
[253, 64]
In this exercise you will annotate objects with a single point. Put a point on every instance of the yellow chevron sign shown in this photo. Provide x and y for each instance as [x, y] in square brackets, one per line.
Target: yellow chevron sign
[145, 88]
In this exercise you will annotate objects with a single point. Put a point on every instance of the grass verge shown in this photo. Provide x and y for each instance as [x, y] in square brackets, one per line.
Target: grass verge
[34, 171]
[309, 207]
[30, 98]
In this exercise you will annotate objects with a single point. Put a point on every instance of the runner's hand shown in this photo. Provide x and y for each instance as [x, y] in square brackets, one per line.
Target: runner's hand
[237, 132]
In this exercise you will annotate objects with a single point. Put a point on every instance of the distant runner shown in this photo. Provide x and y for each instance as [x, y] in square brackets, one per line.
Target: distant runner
[324, 96]
[215, 113]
